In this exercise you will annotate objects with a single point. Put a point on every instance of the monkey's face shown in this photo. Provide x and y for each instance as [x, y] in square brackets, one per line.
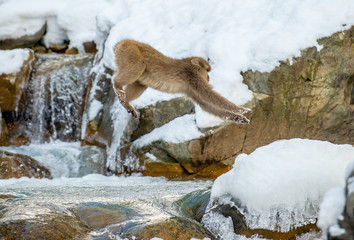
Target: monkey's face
[204, 74]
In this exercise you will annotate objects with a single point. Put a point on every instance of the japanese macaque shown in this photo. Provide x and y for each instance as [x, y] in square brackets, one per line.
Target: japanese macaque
[141, 66]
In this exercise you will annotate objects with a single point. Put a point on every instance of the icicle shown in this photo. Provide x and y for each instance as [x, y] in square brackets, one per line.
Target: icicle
[120, 119]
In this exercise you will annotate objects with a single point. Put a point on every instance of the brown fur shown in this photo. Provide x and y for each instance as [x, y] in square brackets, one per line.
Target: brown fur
[141, 66]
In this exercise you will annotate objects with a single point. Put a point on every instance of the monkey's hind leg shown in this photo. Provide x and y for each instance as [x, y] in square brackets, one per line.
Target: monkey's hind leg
[133, 91]
[130, 67]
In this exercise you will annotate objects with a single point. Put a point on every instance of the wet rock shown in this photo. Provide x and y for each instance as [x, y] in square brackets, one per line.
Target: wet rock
[4, 139]
[53, 226]
[291, 235]
[99, 215]
[71, 51]
[12, 84]
[24, 41]
[240, 227]
[16, 165]
[19, 141]
[206, 157]
[194, 204]
[162, 166]
[59, 48]
[90, 47]
[171, 229]
[155, 116]
[214, 170]
[99, 126]
[40, 49]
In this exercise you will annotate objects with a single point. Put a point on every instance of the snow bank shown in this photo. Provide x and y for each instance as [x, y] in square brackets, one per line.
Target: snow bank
[234, 35]
[12, 60]
[22, 17]
[283, 183]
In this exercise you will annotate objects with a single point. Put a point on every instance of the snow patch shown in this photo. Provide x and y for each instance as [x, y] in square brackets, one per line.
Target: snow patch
[284, 182]
[179, 130]
[12, 60]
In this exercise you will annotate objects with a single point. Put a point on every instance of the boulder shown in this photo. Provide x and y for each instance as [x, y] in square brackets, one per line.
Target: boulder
[4, 139]
[166, 167]
[194, 204]
[310, 98]
[17, 165]
[99, 128]
[51, 226]
[24, 41]
[99, 215]
[90, 47]
[154, 116]
[171, 229]
[12, 84]
[231, 211]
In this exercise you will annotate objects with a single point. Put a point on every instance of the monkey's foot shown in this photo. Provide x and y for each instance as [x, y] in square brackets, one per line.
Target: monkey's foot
[239, 119]
[132, 111]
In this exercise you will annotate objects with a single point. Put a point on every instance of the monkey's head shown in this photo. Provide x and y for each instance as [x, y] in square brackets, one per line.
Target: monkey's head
[202, 67]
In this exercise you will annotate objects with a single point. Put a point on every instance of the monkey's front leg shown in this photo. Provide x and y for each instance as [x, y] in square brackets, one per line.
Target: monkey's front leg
[122, 99]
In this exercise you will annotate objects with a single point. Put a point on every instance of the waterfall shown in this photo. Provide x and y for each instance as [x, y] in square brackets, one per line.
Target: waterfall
[56, 106]
[56, 92]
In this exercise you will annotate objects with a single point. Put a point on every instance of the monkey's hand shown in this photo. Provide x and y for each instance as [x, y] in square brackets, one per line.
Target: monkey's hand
[238, 119]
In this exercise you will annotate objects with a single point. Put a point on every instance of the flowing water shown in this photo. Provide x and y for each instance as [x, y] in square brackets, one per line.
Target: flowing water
[141, 199]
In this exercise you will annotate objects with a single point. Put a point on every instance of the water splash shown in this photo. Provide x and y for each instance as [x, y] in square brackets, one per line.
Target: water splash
[64, 159]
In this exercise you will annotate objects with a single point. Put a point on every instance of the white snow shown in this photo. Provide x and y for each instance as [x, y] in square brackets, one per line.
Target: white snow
[22, 17]
[95, 107]
[179, 130]
[234, 35]
[79, 21]
[283, 183]
[331, 210]
[12, 60]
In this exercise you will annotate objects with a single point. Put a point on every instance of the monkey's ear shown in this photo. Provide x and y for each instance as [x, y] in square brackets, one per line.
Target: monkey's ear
[196, 62]
[200, 62]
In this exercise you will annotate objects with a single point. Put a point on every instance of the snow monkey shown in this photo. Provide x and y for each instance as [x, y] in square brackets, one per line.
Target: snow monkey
[141, 66]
